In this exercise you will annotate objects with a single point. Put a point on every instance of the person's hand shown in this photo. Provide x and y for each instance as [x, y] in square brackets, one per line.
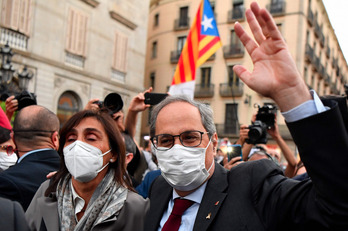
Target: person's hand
[91, 105]
[49, 175]
[232, 163]
[11, 106]
[138, 102]
[243, 133]
[274, 131]
[275, 74]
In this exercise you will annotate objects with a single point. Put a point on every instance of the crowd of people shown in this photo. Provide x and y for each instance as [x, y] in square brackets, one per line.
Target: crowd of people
[91, 174]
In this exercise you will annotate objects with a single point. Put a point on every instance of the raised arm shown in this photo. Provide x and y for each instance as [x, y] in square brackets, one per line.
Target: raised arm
[275, 74]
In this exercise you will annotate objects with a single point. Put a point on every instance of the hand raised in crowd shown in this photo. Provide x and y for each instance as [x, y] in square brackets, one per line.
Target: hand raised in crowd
[92, 105]
[11, 106]
[275, 73]
[138, 102]
[232, 163]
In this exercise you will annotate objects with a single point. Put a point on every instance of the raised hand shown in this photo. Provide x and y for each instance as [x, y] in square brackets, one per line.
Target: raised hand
[275, 74]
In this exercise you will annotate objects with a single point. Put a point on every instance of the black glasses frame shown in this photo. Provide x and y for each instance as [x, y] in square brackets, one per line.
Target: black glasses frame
[153, 140]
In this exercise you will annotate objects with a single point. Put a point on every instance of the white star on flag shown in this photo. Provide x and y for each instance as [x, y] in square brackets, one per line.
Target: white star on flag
[207, 23]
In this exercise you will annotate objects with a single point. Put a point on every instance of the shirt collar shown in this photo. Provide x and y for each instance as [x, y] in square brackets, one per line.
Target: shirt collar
[31, 152]
[78, 201]
[195, 196]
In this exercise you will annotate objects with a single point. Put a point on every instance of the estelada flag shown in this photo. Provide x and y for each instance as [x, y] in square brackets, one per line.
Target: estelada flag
[201, 43]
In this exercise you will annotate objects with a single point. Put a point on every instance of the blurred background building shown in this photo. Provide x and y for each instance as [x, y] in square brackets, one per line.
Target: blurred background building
[303, 23]
[77, 49]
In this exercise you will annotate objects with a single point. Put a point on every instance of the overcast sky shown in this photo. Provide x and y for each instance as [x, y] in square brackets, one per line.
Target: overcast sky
[338, 15]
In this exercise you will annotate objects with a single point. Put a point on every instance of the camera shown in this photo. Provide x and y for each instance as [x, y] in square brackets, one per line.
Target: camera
[24, 99]
[112, 102]
[264, 120]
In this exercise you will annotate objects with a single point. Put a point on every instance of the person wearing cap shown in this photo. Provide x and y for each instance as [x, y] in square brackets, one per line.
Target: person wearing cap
[7, 146]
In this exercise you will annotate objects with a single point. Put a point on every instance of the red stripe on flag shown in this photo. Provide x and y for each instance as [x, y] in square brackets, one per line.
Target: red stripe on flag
[208, 46]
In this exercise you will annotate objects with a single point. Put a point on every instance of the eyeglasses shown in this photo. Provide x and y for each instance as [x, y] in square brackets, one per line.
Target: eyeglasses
[9, 149]
[187, 139]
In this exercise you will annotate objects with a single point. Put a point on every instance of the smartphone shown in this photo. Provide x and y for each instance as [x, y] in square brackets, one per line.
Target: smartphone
[234, 150]
[154, 98]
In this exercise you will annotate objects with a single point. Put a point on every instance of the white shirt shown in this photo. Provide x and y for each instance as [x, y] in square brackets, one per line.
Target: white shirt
[189, 216]
[78, 202]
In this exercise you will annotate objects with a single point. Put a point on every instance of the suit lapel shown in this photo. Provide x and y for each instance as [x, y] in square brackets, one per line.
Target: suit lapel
[159, 198]
[49, 213]
[214, 195]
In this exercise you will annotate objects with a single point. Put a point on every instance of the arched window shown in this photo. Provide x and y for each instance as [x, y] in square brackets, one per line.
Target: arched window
[68, 104]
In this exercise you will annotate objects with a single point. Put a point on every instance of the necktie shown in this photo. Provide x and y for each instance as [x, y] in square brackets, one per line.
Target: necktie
[174, 220]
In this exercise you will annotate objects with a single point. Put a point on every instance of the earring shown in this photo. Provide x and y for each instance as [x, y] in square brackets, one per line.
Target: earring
[112, 160]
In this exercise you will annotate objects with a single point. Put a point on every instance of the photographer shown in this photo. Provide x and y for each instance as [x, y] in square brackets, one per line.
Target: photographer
[17, 102]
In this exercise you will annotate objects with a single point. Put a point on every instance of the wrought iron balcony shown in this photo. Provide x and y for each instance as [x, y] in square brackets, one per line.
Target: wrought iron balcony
[174, 56]
[309, 53]
[233, 51]
[277, 8]
[237, 13]
[227, 130]
[327, 79]
[328, 52]
[204, 90]
[310, 16]
[316, 63]
[231, 89]
[182, 23]
[321, 71]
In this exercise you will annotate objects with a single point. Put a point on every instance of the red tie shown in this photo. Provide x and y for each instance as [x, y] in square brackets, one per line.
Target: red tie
[174, 220]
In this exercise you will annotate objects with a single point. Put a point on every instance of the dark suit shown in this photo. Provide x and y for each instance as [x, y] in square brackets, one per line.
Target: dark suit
[21, 181]
[12, 216]
[256, 196]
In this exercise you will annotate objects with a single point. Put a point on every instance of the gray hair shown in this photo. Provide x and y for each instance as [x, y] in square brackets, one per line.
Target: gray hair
[205, 111]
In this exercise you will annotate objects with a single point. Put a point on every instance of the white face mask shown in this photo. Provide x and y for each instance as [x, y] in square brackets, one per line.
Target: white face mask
[183, 167]
[7, 160]
[83, 161]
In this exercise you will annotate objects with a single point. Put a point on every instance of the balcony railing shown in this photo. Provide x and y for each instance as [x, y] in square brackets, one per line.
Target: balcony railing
[316, 63]
[233, 51]
[212, 57]
[310, 16]
[182, 23]
[334, 62]
[204, 90]
[14, 39]
[174, 56]
[277, 8]
[321, 71]
[327, 79]
[328, 52]
[316, 29]
[227, 130]
[237, 13]
[322, 38]
[229, 90]
[309, 53]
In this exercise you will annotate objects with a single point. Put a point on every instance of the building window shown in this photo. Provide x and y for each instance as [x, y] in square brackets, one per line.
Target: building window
[212, 5]
[120, 53]
[205, 76]
[180, 44]
[231, 119]
[15, 15]
[76, 32]
[238, 9]
[152, 79]
[156, 20]
[312, 81]
[154, 50]
[183, 17]
[68, 105]
[232, 77]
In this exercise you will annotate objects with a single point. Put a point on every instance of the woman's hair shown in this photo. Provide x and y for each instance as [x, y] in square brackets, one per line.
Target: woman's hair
[115, 141]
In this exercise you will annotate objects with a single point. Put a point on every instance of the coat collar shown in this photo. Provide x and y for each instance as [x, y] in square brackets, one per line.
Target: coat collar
[48, 206]
[214, 195]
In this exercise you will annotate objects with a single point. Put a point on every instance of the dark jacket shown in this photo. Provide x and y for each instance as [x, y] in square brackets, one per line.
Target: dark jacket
[21, 181]
[257, 196]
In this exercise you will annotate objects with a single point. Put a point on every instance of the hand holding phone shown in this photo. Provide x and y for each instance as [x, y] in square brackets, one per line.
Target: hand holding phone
[234, 150]
[154, 98]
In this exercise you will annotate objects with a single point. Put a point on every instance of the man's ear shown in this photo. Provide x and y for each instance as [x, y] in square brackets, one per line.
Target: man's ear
[214, 140]
[129, 158]
[55, 140]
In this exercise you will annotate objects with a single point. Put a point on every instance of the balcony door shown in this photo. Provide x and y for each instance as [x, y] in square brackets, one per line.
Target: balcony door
[231, 118]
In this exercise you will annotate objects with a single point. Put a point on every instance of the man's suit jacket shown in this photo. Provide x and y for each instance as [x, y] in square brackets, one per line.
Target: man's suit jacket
[21, 181]
[256, 196]
[12, 216]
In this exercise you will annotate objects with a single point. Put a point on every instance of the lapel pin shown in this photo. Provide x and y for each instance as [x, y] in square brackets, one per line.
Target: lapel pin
[217, 202]
[208, 217]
